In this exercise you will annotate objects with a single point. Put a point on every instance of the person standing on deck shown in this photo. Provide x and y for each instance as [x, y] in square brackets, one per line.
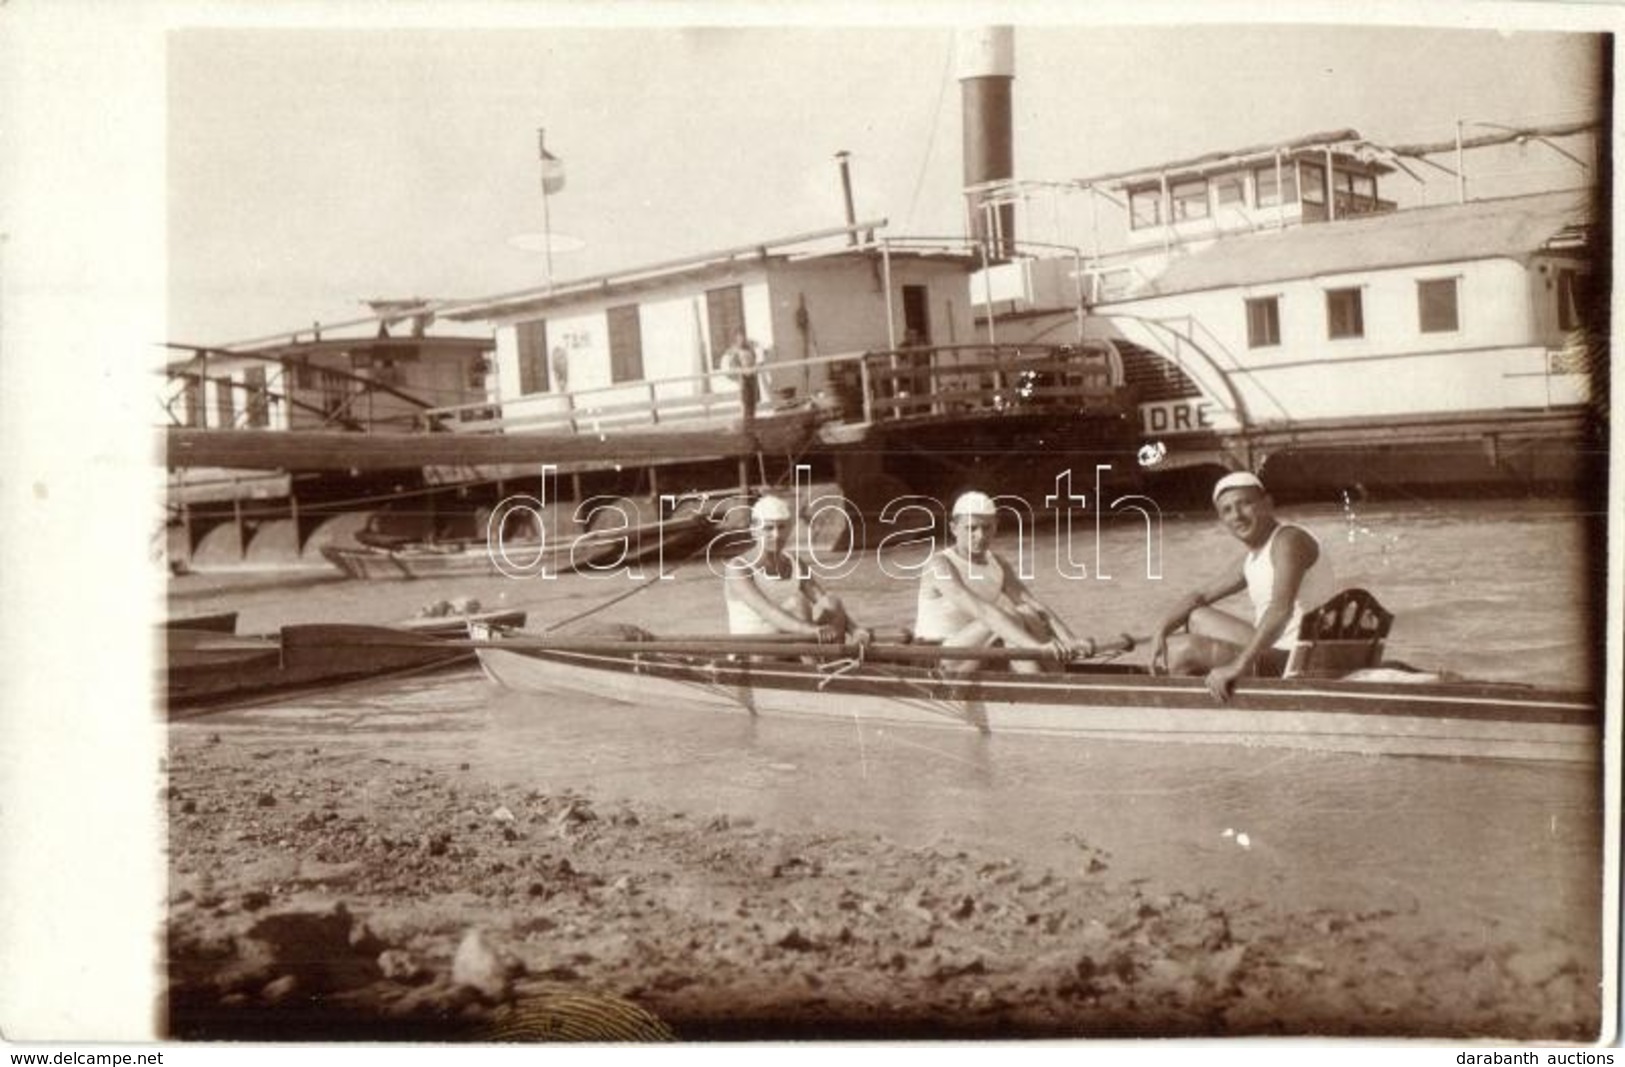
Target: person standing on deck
[1285, 572]
[767, 593]
[970, 597]
[741, 362]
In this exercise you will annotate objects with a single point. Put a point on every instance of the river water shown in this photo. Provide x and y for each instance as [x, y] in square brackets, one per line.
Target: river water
[1473, 850]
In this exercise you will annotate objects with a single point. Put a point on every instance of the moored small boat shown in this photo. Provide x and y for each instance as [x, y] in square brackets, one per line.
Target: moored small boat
[222, 622]
[900, 685]
[204, 668]
[670, 539]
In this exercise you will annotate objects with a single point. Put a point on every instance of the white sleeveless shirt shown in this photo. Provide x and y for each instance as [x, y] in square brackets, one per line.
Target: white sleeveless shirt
[1318, 585]
[783, 591]
[936, 618]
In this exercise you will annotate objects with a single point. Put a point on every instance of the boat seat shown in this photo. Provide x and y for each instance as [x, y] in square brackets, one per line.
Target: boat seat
[1344, 634]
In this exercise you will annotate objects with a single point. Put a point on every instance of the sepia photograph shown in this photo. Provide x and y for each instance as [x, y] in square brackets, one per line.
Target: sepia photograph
[725, 524]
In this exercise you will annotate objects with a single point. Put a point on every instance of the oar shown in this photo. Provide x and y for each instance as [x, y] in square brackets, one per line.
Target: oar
[790, 645]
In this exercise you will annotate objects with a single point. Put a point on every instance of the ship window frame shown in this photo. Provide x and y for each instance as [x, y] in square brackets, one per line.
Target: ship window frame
[1148, 194]
[530, 346]
[1270, 335]
[1272, 198]
[724, 317]
[624, 328]
[1354, 330]
[1312, 178]
[1188, 200]
[1424, 325]
[1234, 180]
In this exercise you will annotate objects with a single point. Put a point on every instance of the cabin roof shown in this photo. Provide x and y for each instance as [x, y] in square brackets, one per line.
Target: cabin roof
[328, 346]
[1346, 145]
[1513, 227]
[641, 280]
[731, 262]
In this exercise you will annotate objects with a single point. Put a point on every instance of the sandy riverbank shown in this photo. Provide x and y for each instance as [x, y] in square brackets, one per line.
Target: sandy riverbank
[333, 892]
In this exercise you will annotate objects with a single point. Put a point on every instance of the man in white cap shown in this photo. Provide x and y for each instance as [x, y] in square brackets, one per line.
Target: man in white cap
[767, 593]
[971, 598]
[1285, 573]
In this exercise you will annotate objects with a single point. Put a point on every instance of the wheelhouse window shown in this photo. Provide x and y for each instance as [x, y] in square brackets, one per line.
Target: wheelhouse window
[1263, 322]
[1145, 207]
[1276, 187]
[1436, 305]
[1344, 315]
[1356, 194]
[1230, 189]
[1189, 200]
[1313, 183]
[625, 344]
[531, 338]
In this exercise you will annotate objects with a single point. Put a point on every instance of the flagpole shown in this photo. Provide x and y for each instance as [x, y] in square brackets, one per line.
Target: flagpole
[547, 222]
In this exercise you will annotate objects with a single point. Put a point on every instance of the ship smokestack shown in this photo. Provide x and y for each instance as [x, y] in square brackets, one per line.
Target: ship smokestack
[987, 64]
[841, 157]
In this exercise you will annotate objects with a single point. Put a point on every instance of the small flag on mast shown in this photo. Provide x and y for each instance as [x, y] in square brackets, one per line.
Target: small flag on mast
[552, 168]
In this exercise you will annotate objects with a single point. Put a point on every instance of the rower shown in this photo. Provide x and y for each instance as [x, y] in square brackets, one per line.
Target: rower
[970, 597]
[768, 593]
[1285, 572]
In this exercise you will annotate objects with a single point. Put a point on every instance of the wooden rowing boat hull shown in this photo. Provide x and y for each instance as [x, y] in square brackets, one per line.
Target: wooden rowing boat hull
[206, 669]
[1452, 720]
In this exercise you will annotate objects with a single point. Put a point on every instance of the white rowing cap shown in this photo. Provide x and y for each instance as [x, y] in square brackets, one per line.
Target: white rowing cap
[770, 509]
[1237, 480]
[974, 503]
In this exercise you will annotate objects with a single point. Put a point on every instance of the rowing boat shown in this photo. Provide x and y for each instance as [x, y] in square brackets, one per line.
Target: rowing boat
[205, 668]
[600, 550]
[902, 685]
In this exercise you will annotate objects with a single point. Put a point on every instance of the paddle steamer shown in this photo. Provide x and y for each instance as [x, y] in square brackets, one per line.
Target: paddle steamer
[1268, 307]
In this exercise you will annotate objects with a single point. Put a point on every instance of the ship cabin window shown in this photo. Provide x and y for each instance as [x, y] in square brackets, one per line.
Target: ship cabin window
[1270, 184]
[724, 317]
[625, 344]
[531, 340]
[1344, 316]
[259, 399]
[1189, 200]
[1356, 193]
[1313, 183]
[1573, 292]
[1264, 322]
[1230, 189]
[1145, 207]
[1436, 305]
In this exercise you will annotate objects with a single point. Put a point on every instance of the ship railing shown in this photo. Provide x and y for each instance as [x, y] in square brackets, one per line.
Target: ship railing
[934, 381]
[853, 387]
